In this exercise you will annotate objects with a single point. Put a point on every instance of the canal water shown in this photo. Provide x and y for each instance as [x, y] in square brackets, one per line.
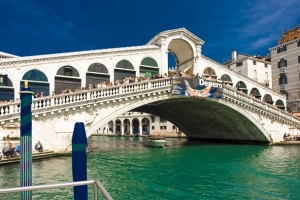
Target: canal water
[183, 170]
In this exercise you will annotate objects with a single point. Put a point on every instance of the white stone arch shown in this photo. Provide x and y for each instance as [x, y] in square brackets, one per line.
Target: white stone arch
[187, 62]
[134, 62]
[207, 72]
[149, 56]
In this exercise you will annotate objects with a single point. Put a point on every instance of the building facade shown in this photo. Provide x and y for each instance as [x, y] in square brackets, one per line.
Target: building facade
[255, 67]
[286, 68]
[137, 123]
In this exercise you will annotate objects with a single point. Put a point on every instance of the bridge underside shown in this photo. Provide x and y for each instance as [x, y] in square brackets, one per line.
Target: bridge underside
[206, 120]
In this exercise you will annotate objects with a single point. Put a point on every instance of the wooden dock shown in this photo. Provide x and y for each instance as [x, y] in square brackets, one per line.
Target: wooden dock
[35, 156]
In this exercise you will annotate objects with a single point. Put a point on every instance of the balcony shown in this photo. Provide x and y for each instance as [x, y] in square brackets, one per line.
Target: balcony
[266, 82]
[283, 87]
[282, 70]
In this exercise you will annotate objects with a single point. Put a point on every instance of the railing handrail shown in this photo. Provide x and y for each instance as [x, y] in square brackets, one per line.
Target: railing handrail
[60, 185]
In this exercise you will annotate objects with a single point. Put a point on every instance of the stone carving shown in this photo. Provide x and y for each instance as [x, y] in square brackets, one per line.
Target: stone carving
[66, 117]
[93, 114]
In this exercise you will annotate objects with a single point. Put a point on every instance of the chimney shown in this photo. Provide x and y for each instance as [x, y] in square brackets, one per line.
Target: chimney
[233, 55]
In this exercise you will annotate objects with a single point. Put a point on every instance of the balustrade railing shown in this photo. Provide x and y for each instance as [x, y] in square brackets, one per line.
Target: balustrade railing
[98, 93]
[258, 103]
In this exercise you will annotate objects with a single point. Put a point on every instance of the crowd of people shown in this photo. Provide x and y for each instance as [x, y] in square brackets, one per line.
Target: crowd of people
[10, 151]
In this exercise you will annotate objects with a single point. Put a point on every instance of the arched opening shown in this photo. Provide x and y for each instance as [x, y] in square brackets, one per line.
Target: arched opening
[145, 126]
[118, 127]
[135, 126]
[96, 73]
[227, 80]
[279, 104]
[268, 99]
[183, 54]
[126, 126]
[255, 93]
[209, 72]
[6, 88]
[241, 86]
[37, 82]
[171, 62]
[148, 67]
[124, 68]
[110, 127]
[67, 79]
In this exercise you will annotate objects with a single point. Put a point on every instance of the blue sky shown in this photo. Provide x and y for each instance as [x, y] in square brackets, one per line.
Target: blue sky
[35, 27]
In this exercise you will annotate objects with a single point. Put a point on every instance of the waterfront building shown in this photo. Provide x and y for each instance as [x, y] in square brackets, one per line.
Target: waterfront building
[138, 123]
[286, 68]
[255, 67]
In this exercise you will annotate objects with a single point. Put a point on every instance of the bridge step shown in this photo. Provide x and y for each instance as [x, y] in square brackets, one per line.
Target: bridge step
[35, 156]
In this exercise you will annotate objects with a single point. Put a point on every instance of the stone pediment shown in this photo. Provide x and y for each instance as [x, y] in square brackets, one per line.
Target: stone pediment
[11, 126]
[180, 31]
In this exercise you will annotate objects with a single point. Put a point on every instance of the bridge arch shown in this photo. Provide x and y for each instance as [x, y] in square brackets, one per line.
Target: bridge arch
[124, 68]
[148, 67]
[7, 89]
[183, 53]
[37, 80]
[255, 93]
[67, 77]
[280, 104]
[209, 72]
[241, 86]
[268, 99]
[97, 72]
[227, 79]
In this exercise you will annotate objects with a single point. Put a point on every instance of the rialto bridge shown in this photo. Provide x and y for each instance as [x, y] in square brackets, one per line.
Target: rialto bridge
[238, 116]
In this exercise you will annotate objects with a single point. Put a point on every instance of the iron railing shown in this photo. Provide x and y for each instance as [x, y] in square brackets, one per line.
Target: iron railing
[96, 183]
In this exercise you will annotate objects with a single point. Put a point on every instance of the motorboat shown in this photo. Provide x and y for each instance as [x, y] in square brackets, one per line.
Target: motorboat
[155, 141]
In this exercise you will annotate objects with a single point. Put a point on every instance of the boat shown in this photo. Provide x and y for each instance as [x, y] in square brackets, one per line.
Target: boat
[155, 141]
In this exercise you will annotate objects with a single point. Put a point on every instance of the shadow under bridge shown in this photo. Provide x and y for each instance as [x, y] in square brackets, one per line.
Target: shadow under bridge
[206, 120]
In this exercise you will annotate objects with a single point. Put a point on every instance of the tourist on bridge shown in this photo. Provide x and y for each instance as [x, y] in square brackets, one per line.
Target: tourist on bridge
[39, 146]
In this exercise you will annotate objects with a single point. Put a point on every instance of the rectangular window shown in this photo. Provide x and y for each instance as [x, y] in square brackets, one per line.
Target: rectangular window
[298, 59]
[152, 119]
[298, 43]
[266, 65]
[173, 127]
[254, 62]
[281, 49]
[153, 127]
[161, 127]
[239, 64]
[165, 127]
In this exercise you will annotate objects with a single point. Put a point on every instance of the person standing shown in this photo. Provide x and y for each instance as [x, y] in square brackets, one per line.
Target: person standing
[39, 146]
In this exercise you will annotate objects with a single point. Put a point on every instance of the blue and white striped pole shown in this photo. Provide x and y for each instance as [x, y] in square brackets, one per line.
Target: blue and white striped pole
[26, 141]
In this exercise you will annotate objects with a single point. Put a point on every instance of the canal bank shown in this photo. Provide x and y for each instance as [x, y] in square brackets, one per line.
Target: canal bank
[35, 156]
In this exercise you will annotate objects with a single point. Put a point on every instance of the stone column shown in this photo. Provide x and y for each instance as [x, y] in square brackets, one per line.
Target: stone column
[122, 130]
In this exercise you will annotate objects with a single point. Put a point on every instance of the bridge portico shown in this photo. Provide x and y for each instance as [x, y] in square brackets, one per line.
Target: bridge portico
[54, 116]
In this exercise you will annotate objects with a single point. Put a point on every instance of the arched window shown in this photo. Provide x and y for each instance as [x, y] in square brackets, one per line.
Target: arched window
[148, 67]
[98, 68]
[37, 81]
[208, 71]
[282, 63]
[255, 74]
[124, 64]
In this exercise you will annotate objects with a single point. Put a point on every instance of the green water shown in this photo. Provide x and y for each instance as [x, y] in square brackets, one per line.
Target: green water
[183, 170]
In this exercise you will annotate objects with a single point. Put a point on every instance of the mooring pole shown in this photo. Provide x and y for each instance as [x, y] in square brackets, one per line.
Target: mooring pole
[79, 160]
[26, 141]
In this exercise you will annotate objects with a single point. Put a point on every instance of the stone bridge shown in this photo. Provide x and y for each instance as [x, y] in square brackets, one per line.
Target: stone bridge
[235, 117]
